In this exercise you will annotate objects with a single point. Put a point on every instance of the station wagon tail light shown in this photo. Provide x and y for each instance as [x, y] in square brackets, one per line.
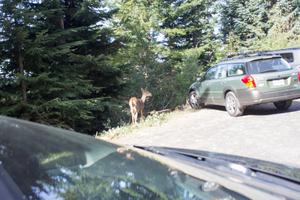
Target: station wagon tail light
[298, 75]
[249, 81]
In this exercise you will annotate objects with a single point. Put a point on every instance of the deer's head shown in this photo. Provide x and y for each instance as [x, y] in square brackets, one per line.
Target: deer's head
[145, 93]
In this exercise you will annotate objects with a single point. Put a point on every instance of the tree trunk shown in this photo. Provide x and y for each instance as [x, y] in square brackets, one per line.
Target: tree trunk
[23, 83]
[62, 23]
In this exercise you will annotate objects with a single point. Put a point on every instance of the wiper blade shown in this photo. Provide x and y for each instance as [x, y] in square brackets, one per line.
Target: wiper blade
[212, 160]
[178, 154]
[151, 149]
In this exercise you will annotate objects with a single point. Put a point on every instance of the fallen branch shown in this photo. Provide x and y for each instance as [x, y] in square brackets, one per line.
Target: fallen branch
[160, 111]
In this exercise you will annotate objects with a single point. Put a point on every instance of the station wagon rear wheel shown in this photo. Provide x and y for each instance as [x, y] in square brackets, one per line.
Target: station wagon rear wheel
[194, 101]
[232, 105]
[283, 105]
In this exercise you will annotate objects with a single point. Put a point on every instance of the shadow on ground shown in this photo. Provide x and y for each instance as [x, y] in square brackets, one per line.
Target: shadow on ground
[262, 109]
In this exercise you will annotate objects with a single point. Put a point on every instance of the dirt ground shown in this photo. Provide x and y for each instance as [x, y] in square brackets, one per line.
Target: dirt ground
[262, 133]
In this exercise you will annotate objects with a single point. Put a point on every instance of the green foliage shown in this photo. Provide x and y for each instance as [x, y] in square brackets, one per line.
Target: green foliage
[75, 64]
[259, 24]
[164, 44]
[188, 27]
[64, 51]
[285, 30]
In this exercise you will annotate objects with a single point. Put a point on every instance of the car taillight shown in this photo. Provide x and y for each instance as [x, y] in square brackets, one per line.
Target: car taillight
[298, 75]
[249, 81]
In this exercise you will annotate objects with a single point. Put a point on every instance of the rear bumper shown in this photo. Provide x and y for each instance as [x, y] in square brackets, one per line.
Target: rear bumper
[253, 96]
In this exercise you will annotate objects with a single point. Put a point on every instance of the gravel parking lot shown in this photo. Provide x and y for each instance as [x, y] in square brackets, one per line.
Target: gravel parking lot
[262, 133]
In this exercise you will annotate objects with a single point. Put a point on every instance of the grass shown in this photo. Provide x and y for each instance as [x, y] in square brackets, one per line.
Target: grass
[154, 119]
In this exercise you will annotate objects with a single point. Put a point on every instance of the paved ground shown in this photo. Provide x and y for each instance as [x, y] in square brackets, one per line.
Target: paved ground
[261, 133]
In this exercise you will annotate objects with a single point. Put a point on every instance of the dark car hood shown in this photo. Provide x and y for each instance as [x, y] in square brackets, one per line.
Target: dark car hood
[42, 162]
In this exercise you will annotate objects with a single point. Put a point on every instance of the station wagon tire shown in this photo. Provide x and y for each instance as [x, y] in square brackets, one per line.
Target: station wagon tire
[283, 105]
[232, 105]
[194, 101]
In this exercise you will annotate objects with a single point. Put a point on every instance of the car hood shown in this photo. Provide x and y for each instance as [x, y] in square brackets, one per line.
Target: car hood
[42, 162]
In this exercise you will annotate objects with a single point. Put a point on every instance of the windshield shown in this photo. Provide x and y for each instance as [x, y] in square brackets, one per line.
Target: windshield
[268, 65]
[49, 163]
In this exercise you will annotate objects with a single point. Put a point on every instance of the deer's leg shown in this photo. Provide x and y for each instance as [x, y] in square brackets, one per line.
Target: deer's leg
[135, 117]
[142, 114]
[132, 115]
[132, 118]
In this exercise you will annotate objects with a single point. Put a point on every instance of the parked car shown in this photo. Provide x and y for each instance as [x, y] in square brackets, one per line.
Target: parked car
[42, 162]
[291, 55]
[248, 80]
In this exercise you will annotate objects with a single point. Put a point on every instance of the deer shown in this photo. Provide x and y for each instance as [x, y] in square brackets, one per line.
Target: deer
[137, 105]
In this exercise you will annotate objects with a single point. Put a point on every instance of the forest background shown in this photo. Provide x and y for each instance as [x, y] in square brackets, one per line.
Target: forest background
[75, 63]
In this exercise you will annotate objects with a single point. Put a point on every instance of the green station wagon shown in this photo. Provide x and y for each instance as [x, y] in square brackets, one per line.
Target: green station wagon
[242, 81]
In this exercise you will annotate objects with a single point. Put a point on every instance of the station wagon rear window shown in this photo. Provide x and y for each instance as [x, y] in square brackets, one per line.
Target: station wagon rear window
[268, 65]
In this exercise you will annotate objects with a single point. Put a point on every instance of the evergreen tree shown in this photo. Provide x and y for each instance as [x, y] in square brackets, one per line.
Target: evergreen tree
[69, 80]
[14, 42]
[165, 42]
[260, 24]
[248, 20]
[136, 25]
[284, 20]
[188, 27]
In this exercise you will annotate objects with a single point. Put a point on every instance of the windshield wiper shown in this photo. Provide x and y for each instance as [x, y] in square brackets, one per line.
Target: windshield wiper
[212, 160]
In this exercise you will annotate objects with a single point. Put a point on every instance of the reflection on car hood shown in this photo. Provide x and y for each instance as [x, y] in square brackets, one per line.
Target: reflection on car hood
[42, 162]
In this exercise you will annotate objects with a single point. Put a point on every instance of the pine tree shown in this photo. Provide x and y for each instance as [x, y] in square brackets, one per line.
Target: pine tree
[69, 80]
[165, 44]
[188, 27]
[14, 42]
[260, 24]
[248, 20]
[284, 20]
[136, 25]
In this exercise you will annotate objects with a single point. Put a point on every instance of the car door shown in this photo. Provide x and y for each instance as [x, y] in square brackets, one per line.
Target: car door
[217, 85]
[235, 73]
[206, 89]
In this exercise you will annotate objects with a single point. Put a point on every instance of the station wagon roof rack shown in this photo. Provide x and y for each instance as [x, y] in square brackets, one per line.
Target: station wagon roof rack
[249, 54]
[240, 55]
[245, 54]
[284, 49]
